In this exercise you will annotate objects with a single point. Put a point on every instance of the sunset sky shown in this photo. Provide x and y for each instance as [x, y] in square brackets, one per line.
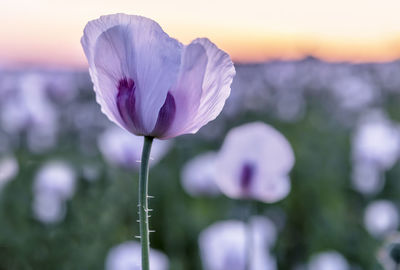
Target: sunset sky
[47, 32]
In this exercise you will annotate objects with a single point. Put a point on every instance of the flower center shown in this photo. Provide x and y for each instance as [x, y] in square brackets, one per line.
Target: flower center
[127, 109]
[166, 116]
[126, 104]
[246, 177]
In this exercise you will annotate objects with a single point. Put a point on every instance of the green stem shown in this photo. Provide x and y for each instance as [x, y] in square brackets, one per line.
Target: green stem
[248, 246]
[249, 209]
[143, 204]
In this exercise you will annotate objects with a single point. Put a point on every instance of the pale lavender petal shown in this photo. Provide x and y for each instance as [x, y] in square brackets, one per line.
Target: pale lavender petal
[96, 27]
[216, 85]
[158, 60]
[187, 90]
[271, 189]
[122, 47]
[105, 87]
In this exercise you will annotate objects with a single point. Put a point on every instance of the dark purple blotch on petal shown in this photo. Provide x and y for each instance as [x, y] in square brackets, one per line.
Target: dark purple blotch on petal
[246, 176]
[126, 104]
[165, 118]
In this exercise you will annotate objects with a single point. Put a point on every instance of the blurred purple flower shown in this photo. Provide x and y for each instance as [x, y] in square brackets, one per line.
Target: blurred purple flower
[121, 148]
[29, 109]
[328, 260]
[56, 177]
[254, 162]
[8, 170]
[367, 177]
[151, 84]
[126, 256]
[48, 208]
[354, 93]
[54, 184]
[377, 140]
[224, 245]
[381, 218]
[198, 176]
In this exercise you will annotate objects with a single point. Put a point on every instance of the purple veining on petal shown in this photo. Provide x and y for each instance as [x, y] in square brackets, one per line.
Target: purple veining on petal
[246, 176]
[126, 104]
[166, 116]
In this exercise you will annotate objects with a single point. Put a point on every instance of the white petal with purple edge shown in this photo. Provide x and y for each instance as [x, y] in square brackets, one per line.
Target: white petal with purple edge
[216, 85]
[187, 90]
[136, 47]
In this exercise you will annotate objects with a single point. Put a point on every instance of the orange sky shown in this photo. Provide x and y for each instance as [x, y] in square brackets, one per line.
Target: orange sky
[48, 31]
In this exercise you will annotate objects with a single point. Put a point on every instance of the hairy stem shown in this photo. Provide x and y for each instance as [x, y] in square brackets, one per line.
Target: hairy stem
[143, 203]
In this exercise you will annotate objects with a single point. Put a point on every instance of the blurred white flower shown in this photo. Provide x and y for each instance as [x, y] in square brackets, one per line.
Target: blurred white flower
[48, 207]
[127, 256]
[198, 175]
[377, 140]
[290, 105]
[55, 177]
[61, 85]
[13, 116]
[30, 110]
[124, 149]
[263, 230]
[329, 260]
[354, 92]
[225, 245]
[367, 177]
[381, 218]
[254, 162]
[8, 170]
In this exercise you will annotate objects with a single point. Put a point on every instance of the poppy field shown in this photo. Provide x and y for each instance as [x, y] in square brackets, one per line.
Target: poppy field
[299, 171]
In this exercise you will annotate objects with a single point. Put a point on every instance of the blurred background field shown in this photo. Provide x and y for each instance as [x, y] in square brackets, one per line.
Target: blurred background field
[49, 116]
[325, 74]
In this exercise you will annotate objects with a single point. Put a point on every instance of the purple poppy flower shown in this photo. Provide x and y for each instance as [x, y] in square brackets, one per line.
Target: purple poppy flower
[254, 162]
[151, 84]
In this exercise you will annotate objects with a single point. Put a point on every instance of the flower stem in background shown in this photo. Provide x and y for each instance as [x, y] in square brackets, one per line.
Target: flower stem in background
[249, 210]
[143, 204]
